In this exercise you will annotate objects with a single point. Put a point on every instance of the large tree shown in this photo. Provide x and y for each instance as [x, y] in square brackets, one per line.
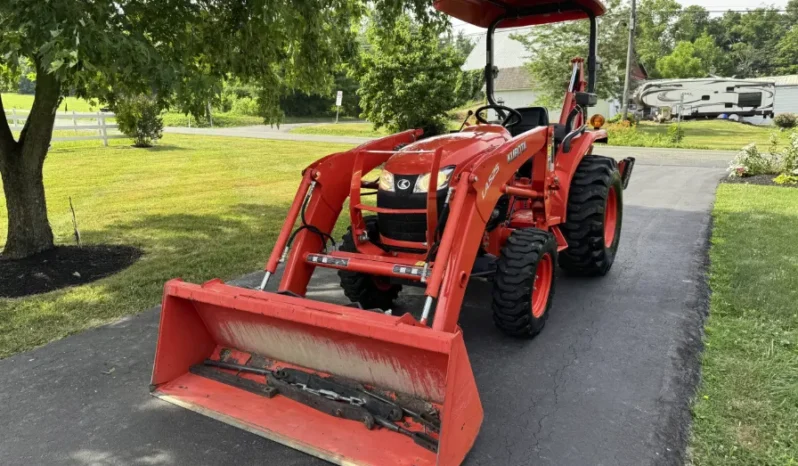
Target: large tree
[655, 32]
[696, 59]
[408, 76]
[177, 50]
[787, 50]
[682, 63]
[750, 40]
[691, 24]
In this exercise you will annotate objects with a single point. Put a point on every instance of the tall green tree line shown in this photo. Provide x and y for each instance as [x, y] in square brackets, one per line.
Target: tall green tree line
[671, 41]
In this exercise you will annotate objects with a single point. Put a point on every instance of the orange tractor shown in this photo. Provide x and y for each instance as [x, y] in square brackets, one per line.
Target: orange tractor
[508, 200]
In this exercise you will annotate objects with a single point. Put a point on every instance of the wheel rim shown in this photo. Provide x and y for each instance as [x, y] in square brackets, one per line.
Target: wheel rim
[542, 287]
[610, 217]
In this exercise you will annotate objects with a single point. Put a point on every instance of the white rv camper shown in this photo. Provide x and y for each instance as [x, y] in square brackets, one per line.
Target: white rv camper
[709, 98]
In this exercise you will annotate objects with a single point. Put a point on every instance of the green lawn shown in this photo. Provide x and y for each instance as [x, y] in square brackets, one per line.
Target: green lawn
[199, 207]
[746, 411]
[24, 102]
[715, 134]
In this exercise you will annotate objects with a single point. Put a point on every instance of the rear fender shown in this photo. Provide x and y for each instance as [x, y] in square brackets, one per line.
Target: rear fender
[564, 168]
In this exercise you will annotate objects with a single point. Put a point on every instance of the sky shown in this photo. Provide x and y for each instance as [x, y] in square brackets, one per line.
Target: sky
[711, 5]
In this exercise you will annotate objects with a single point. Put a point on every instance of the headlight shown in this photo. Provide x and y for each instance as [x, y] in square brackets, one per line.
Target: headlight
[422, 183]
[386, 181]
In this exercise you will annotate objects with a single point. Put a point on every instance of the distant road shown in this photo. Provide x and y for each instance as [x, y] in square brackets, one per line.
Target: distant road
[268, 132]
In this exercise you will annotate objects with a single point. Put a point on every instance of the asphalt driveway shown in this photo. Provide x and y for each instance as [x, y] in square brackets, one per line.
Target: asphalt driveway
[606, 383]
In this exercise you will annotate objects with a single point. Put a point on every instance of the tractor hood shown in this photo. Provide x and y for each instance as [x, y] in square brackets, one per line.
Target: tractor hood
[458, 149]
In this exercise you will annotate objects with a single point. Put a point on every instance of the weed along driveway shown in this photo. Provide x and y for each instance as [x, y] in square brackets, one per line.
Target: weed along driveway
[607, 382]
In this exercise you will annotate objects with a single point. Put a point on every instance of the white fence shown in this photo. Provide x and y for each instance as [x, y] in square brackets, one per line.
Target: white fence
[96, 122]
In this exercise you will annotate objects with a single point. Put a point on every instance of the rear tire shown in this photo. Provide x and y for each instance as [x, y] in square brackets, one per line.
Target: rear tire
[371, 291]
[595, 216]
[523, 287]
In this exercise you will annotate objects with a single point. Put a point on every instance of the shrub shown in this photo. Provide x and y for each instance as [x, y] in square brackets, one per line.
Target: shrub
[786, 120]
[139, 118]
[631, 118]
[786, 179]
[675, 134]
[750, 161]
[790, 155]
[245, 106]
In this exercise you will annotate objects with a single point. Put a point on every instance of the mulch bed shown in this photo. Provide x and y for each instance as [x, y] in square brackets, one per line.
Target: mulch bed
[61, 267]
[762, 180]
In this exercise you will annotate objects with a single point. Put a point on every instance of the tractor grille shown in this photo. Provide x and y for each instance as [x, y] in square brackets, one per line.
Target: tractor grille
[405, 227]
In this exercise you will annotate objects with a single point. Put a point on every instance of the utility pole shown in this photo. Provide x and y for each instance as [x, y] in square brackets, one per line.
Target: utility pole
[629, 57]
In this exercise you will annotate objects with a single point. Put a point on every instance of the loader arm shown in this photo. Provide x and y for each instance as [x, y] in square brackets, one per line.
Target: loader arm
[323, 191]
[477, 192]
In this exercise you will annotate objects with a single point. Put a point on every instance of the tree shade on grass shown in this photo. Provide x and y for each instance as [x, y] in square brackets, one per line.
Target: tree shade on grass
[747, 406]
[199, 208]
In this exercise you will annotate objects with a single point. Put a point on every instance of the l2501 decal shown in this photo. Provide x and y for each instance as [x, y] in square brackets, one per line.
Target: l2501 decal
[491, 177]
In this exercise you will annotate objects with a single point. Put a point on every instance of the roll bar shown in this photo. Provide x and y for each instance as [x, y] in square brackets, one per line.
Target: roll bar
[512, 13]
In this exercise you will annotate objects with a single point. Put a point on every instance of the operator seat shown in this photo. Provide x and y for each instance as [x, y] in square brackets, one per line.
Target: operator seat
[533, 117]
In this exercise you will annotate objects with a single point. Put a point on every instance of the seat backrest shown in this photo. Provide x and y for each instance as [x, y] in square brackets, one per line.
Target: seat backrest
[533, 117]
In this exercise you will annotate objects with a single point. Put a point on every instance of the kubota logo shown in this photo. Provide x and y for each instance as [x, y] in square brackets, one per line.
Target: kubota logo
[516, 152]
[491, 177]
[403, 184]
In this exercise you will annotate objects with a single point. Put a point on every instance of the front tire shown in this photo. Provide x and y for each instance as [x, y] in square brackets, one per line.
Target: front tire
[595, 215]
[523, 287]
[371, 291]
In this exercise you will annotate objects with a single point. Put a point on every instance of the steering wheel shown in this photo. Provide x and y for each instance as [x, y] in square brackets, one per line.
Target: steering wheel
[510, 120]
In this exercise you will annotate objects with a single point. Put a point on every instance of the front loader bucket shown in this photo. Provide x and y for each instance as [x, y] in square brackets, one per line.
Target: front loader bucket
[225, 351]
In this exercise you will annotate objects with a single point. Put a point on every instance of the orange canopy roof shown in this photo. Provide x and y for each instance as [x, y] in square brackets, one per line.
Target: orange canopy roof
[483, 13]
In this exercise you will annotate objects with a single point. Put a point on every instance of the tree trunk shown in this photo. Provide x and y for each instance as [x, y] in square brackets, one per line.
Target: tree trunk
[21, 165]
[28, 228]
